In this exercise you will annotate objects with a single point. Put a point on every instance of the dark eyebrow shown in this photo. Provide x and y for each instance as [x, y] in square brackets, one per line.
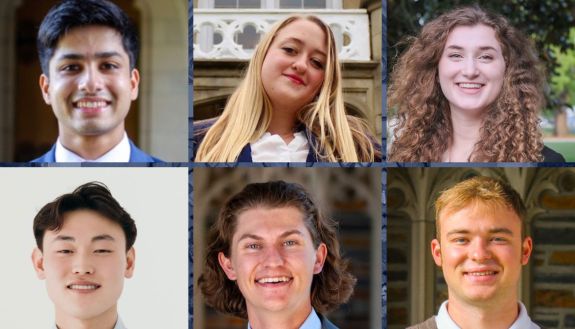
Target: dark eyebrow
[259, 238]
[301, 42]
[75, 56]
[103, 237]
[483, 48]
[492, 231]
[63, 238]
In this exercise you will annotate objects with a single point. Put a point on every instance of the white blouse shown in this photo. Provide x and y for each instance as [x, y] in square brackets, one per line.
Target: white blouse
[272, 148]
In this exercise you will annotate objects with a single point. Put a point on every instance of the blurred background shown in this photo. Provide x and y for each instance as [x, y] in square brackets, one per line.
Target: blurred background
[549, 23]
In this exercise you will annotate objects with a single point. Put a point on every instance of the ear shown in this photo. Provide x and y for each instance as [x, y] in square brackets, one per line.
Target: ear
[135, 83]
[45, 88]
[526, 249]
[130, 263]
[436, 251]
[320, 256]
[227, 266]
[38, 262]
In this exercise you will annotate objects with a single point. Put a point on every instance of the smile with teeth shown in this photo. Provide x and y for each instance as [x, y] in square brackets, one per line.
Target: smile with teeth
[91, 104]
[469, 85]
[83, 286]
[484, 273]
[274, 280]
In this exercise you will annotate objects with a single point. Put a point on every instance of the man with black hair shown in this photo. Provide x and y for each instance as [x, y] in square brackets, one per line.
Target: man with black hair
[88, 51]
[84, 250]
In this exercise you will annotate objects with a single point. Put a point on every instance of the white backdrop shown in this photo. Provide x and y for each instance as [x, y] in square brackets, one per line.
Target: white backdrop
[157, 198]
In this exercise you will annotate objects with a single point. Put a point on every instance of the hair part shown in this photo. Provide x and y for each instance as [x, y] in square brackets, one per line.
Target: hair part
[93, 196]
[248, 112]
[510, 130]
[479, 191]
[330, 288]
[70, 14]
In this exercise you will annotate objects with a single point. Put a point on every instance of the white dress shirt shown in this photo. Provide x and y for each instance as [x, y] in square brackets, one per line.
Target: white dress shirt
[444, 321]
[272, 148]
[119, 325]
[119, 153]
[312, 321]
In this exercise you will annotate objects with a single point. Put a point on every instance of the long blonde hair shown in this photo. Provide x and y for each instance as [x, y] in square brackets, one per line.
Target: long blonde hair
[248, 113]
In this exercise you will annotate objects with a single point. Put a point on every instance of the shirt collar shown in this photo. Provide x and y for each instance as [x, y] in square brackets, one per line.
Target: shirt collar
[119, 153]
[312, 321]
[523, 321]
[119, 324]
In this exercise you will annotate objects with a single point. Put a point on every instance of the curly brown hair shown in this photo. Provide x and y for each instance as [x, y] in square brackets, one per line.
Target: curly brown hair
[330, 288]
[510, 130]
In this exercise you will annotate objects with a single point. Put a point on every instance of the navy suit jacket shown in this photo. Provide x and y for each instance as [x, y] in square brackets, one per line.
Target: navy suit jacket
[136, 155]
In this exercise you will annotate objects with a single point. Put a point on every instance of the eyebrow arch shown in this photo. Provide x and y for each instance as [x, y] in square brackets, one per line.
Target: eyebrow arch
[259, 238]
[100, 55]
[492, 231]
[483, 48]
[301, 42]
[103, 237]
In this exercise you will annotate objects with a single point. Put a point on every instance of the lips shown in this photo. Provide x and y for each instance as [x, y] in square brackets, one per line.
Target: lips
[295, 79]
[274, 281]
[470, 88]
[91, 106]
[481, 276]
[83, 286]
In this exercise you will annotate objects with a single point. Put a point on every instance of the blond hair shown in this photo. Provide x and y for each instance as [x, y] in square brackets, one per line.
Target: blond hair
[248, 113]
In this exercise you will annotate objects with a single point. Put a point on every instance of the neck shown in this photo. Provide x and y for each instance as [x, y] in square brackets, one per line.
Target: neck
[283, 123]
[466, 132]
[91, 147]
[106, 320]
[484, 316]
[284, 320]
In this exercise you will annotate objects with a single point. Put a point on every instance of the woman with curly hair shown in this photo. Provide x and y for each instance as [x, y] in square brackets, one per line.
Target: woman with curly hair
[468, 88]
[289, 107]
[273, 258]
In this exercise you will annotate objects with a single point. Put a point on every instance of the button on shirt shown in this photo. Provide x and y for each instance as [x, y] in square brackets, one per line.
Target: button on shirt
[272, 148]
[119, 153]
[444, 321]
[312, 321]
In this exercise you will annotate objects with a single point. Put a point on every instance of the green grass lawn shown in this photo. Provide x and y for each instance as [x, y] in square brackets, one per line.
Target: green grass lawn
[567, 149]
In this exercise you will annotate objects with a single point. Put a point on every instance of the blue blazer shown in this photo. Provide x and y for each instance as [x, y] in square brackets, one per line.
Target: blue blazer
[136, 155]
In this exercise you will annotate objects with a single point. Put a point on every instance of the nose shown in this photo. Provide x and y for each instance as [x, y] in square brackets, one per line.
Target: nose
[470, 69]
[83, 265]
[91, 80]
[300, 64]
[273, 257]
[480, 251]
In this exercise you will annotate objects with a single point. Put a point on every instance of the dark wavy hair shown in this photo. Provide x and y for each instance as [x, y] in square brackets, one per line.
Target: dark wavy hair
[510, 130]
[70, 14]
[93, 196]
[330, 288]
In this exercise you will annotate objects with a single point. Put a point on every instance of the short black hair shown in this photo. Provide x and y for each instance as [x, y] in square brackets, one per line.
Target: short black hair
[69, 14]
[93, 196]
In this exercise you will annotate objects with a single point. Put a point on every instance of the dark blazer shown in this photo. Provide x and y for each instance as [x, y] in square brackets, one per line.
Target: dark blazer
[136, 155]
[200, 129]
[551, 156]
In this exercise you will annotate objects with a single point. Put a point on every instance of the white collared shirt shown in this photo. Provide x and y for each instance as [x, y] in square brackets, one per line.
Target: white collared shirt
[119, 325]
[523, 321]
[272, 148]
[312, 321]
[119, 153]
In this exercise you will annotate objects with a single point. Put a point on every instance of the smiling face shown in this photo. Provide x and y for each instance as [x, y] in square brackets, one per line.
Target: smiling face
[273, 260]
[90, 86]
[294, 67]
[84, 265]
[471, 68]
[481, 252]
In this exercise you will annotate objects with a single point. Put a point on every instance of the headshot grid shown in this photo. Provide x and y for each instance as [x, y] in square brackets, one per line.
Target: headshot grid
[338, 163]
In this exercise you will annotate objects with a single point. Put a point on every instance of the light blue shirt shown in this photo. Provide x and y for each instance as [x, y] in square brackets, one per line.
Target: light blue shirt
[444, 321]
[119, 325]
[312, 321]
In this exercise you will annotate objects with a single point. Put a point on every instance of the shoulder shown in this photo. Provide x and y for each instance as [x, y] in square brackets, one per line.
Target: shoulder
[325, 323]
[137, 155]
[48, 157]
[199, 130]
[427, 324]
[551, 156]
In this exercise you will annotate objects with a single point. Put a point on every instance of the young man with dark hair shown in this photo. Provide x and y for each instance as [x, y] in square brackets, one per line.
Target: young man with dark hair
[84, 250]
[481, 247]
[88, 51]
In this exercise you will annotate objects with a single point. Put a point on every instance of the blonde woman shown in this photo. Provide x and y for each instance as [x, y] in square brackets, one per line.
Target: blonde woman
[289, 107]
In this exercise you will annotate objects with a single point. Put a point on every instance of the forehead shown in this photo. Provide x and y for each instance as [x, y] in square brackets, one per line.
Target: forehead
[305, 31]
[268, 222]
[478, 215]
[476, 36]
[82, 224]
[91, 38]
